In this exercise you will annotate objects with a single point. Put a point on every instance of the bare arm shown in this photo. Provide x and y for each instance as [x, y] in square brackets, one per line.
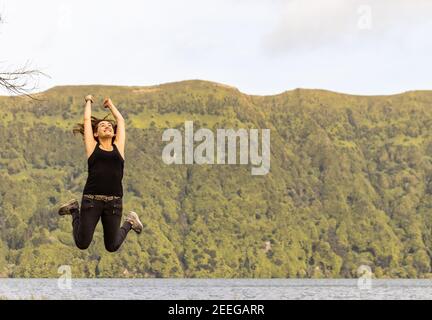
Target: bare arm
[121, 130]
[89, 139]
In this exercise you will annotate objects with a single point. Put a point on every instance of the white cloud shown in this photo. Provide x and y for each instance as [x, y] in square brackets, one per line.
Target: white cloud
[310, 24]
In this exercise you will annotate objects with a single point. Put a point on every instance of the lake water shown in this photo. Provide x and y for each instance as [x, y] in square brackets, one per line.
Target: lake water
[214, 289]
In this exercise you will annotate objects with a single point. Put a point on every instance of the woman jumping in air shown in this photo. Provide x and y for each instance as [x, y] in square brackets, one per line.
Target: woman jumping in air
[102, 196]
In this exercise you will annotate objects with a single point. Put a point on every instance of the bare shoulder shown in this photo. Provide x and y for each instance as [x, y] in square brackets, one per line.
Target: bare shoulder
[90, 147]
[120, 148]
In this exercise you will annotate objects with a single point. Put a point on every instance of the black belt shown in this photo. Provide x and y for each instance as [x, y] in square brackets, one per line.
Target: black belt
[101, 197]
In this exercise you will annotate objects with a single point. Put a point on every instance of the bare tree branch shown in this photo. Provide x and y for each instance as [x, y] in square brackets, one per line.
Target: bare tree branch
[19, 81]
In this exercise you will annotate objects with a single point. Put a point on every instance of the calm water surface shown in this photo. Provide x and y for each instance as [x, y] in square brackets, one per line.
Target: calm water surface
[213, 289]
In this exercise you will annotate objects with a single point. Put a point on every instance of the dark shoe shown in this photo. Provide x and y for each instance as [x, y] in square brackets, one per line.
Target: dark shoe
[134, 220]
[68, 207]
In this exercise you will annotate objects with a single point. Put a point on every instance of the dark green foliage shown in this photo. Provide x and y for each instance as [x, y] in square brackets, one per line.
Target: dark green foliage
[350, 185]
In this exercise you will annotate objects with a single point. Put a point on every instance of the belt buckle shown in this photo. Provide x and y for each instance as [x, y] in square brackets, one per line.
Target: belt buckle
[101, 197]
[106, 198]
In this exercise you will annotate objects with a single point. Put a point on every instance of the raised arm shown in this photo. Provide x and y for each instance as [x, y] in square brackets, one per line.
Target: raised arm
[89, 140]
[121, 131]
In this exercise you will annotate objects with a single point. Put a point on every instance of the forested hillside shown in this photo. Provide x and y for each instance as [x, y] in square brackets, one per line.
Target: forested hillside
[350, 184]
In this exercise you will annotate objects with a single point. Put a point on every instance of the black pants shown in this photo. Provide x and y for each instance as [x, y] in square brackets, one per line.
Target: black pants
[84, 223]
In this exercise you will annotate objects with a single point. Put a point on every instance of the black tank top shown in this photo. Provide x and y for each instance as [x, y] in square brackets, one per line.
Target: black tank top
[105, 172]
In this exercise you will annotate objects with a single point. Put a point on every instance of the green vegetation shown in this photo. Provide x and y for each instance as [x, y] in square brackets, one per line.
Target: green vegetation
[350, 184]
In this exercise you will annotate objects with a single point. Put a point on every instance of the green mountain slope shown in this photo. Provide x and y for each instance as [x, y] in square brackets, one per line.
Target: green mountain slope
[350, 184]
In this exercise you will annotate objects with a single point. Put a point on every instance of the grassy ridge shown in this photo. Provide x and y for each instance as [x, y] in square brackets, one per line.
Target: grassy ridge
[350, 185]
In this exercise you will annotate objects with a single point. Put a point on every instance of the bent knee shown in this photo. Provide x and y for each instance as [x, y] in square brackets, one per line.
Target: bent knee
[111, 248]
[82, 245]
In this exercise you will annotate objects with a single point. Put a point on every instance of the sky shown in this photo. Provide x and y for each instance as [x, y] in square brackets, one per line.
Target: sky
[262, 47]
